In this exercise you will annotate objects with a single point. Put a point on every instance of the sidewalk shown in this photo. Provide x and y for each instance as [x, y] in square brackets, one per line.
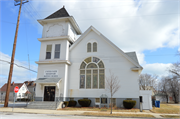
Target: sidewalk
[62, 112]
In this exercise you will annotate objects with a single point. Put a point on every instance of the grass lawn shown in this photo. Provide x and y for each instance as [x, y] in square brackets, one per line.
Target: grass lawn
[167, 108]
[170, 116]
[98, 109]
[105, 114]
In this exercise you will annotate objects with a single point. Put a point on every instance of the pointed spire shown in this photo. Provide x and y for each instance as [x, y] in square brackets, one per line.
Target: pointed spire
[60, 13]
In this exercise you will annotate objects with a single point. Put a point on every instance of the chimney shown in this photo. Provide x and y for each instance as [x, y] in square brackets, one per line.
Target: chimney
[12, 83]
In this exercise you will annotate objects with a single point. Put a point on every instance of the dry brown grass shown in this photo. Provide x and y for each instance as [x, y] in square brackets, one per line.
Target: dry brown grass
[167, 108]
[170, 116]
[103, 114]
[99, 110]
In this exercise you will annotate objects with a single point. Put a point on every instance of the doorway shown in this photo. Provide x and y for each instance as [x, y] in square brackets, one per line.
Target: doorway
[49, 93]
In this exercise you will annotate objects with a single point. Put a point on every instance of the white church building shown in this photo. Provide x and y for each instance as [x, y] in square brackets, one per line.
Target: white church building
[77, 68]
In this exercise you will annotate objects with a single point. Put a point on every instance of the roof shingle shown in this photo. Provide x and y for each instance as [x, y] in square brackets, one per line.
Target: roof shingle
[4, 87]
[60, 13]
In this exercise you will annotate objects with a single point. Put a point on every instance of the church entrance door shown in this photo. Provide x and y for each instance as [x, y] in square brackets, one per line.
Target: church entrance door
[49, 93]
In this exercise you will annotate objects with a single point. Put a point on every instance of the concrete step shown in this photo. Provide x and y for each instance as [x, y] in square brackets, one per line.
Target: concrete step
[43, 105]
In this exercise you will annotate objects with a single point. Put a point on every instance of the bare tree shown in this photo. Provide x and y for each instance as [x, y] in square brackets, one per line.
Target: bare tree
[112, 85]
[174, 88]
[148, 82]
[164, 88]
[175, 69]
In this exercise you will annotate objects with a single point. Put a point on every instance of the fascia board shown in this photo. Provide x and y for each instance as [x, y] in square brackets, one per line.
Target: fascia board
[107, 40]
[54, 62]
[118, 49]
[80, 38]
[56, 38]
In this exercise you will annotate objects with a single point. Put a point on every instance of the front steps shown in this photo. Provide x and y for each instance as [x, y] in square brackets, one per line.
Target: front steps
[50, 105]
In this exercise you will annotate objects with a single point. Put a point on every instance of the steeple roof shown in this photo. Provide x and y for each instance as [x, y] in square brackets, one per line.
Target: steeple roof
[60, 13]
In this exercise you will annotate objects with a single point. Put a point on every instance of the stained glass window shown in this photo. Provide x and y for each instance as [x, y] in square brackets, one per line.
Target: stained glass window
[101, 65]
[92, 65]
[101, 79]
[82, 79]
[94, 47]
[89, 47]
[90, 75]
[83, 65]
[87, 60]
[88, 78]
[95, 78]
[95, 59]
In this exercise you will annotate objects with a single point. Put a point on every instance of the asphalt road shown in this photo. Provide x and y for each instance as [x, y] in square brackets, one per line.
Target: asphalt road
[45, 116]
[17, 104]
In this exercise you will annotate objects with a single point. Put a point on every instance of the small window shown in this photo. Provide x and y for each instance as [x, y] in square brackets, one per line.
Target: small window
[22, 88]
[89, 47]
[1, 93]
[48, 51]
[94, 47]
[57, 51]
[97, 100]
[19, 94]
[34, 89]
[23, 94]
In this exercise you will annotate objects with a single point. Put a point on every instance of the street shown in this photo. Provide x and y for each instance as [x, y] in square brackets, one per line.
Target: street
[8, 115]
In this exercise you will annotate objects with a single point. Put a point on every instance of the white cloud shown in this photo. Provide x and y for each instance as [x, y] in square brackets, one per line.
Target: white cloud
[19, 74]
[159, 69]
[149, 30]
[131, 25]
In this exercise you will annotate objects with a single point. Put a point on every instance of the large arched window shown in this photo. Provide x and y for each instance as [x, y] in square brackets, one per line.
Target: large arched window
[94, 47]
[89, 47]
[92, 74]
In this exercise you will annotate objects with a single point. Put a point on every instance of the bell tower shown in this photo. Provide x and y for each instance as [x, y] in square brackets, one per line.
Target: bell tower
[59, 33]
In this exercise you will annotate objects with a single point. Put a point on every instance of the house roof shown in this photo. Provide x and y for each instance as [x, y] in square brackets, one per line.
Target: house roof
[131, 56]
[13, 85]
[30, 83]
[60, 13]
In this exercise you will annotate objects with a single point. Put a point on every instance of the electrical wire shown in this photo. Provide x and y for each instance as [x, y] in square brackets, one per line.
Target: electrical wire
[18, 65]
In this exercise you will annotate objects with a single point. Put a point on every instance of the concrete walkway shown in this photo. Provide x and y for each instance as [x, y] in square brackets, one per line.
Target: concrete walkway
[62, 112]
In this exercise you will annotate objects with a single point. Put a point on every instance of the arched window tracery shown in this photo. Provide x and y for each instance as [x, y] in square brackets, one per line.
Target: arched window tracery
[92, 74]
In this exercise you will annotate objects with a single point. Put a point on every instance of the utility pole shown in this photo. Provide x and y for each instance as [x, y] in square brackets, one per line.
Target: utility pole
[17, 2]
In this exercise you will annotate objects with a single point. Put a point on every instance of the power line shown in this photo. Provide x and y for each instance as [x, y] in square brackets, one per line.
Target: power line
[35, 10]
[97, 18]
[142, 3]
[18, 65]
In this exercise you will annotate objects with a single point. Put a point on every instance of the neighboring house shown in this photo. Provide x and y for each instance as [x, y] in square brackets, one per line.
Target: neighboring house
[162, 97]
[73, 69]
[21, 93]
[31, 85]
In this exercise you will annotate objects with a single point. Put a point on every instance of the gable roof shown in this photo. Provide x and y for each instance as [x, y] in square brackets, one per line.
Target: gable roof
[127, 56]
[13, 85]
[60, 13]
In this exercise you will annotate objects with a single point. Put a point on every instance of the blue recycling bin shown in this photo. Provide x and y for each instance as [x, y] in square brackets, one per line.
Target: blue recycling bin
[157, 103]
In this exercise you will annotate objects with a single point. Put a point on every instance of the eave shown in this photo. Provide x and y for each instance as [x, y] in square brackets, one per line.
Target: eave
[136, 68]
[56, 38]
[54, 62]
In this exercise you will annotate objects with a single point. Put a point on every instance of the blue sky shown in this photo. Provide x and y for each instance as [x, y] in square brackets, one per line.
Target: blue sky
[151, 28]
